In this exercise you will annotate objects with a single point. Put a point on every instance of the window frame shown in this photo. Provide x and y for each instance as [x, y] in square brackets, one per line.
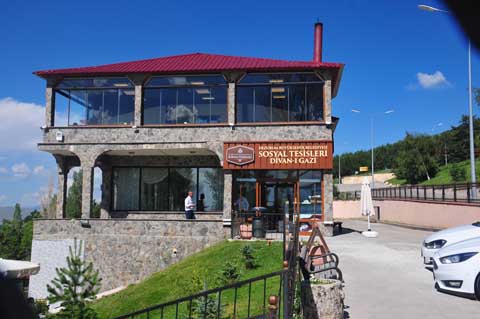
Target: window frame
[58, 89]
[112, 199]
[177, 86]
[321, 80]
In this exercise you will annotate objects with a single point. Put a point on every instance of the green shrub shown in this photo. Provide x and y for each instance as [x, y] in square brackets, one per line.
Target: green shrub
[229, 273]
[206, 308]
[249, 257]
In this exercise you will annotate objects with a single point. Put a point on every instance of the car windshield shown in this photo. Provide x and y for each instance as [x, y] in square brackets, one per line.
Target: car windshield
[476, 224]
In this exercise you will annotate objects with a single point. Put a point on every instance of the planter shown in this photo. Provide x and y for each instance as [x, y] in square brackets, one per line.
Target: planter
[246, 231]
[322, 300]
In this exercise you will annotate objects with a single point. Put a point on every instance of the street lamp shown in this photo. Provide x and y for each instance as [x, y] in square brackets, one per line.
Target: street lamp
[372, 141]
[470, 107]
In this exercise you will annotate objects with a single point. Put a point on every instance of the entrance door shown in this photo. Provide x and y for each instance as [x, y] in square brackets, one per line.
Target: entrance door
[279, 198]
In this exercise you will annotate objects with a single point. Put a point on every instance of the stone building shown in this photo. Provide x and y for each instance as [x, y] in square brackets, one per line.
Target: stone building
[239, 132]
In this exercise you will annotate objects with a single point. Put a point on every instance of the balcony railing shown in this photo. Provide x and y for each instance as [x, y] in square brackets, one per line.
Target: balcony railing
[452, 193]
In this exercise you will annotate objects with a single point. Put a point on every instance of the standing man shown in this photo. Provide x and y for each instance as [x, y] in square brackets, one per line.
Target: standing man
[189, 206]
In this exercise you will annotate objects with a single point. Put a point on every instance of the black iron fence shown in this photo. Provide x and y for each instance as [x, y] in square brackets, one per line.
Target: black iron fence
[242, 299]
[461, 193]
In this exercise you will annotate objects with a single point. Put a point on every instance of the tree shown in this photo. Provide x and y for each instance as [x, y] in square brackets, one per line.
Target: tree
[48, 200]
[416, 159]
[74, 198]
[75, 286]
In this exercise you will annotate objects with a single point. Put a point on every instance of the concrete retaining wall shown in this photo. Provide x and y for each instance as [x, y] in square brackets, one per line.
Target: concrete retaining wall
[126, 251]
[418, 214]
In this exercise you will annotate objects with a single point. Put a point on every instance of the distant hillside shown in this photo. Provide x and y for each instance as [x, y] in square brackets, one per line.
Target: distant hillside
[417, 156]
[6, 212]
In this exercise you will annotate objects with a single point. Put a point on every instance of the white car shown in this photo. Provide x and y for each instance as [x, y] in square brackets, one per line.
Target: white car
[456, 268]
[447, 237]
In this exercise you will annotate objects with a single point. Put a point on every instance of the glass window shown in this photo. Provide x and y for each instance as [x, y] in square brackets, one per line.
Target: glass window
[154, 192]
[61, 108]
[245, 106]
[182, 180]
[310, 193]
[280, 98]
[297, 103]
[210, 189]
[152, 107]
[94, 107]
[279, 103]
[126, 109]
[185, 100]
[126, 188]
[184, 108]
[95, 83]
[77, 114]
[110, 107]
[185, 80]
[314, 102]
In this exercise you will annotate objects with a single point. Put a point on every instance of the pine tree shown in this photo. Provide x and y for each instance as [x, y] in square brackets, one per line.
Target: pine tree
[75, 286]
[74, 198]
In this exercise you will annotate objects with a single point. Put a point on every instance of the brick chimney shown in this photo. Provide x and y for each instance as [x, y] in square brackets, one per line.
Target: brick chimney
[317, 42]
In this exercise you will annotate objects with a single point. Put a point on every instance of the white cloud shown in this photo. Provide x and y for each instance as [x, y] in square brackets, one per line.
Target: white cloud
[21, 170]
[3, 198]
[40, 170]
[434, 80]
[3, 170]
[20, 127]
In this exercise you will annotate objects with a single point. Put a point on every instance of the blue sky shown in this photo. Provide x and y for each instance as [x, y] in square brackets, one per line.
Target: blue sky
[396, 56]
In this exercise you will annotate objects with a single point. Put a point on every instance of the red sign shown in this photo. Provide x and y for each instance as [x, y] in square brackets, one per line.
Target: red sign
[278, 155]
[240, 155]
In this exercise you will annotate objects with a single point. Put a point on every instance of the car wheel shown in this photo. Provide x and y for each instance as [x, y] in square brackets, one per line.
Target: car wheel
[477, 287]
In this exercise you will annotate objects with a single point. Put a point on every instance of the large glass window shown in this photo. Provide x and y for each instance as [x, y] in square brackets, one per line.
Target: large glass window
[185, 100]
[310, 193]
[165, 189]
[126, 189]
[280, 98]
[95, 101]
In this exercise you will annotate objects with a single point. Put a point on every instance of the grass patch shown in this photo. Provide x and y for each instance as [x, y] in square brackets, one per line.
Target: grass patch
[397, 181]
[443, 176]
[177, 281]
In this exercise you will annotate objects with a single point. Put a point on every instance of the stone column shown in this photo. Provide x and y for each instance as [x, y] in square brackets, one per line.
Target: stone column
[87, 190]
[227, 194]
[62, 192]
[327, 95]
[138, 81]
[328, 202]
[231, 103]
[106, 192]
[49, 105]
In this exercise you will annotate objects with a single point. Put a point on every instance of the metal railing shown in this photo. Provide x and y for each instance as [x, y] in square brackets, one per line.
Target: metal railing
[452, 193]
[232, 301]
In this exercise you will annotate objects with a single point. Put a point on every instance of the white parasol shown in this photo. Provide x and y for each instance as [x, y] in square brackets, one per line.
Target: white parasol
[366, 206]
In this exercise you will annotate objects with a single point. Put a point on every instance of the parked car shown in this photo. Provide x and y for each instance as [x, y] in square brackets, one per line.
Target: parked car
[456, 268]
[447, 237]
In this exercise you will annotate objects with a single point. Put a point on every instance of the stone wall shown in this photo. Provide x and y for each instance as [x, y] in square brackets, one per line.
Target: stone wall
[126, 251]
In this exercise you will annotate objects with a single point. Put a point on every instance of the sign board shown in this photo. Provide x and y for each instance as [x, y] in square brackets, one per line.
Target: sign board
[240, 155]
[363, 168]
[278, 155]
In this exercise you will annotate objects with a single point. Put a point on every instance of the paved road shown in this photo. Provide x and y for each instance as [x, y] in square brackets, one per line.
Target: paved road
[385, 277]
[357, 187]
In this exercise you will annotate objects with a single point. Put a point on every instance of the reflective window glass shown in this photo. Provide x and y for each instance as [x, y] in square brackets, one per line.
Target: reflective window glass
[94, 107]
[61, 108]
[279, 103]
[184, 109]
[154, 192]
[314, 102]
[126, 188]
[110, 107]
[210, 189]
[185, 80]
[77, 108]
[126, 109]
[245, 106]
[182, 180]
[152, 107]
[95, 83]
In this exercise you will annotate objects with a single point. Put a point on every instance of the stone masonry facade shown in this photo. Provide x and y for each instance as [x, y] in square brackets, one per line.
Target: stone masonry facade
[127, 251]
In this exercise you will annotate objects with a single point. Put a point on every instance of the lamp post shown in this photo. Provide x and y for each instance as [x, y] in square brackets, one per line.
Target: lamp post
[372, 141]
[470, 107]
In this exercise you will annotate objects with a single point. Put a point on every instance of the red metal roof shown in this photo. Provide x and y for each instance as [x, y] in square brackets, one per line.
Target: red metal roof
[196, 63]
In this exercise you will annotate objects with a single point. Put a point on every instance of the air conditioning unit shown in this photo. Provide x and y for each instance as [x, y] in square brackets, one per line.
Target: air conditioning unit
[59, 136]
